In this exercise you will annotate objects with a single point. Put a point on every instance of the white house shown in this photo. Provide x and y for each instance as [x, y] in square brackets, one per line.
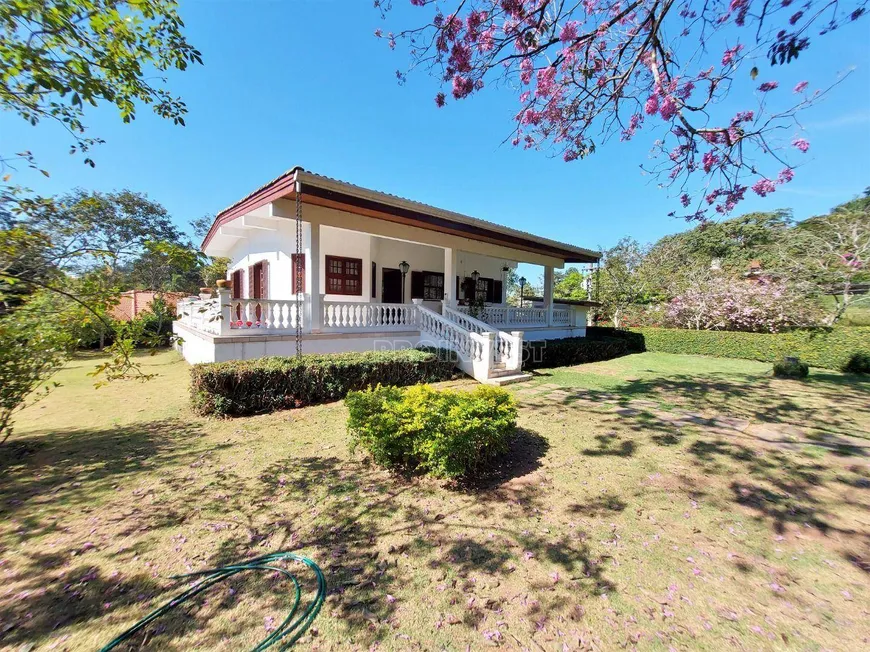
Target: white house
[334, 267]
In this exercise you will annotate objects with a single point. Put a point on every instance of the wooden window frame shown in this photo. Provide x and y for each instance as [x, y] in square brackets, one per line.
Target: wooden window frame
[343, 277]
[432, 292]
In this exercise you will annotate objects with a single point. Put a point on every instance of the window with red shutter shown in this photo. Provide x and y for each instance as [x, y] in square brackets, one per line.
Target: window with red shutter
[238, 279]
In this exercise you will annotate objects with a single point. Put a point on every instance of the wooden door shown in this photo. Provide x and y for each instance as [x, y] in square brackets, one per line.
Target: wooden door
[391, 286]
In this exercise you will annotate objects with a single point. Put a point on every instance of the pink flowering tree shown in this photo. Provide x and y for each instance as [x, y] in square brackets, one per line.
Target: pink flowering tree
[589, 71]
[736, 304]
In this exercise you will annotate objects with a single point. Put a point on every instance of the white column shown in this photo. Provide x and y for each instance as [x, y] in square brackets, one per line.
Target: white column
[450, 297]
[548, 294]
[224, 301]
[314, 307]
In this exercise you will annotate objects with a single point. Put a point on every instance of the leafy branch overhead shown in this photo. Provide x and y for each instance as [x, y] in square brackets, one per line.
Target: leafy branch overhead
[589, 71]
[57, 56]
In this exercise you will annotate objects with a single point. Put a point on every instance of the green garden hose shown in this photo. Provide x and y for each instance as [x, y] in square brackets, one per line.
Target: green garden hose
[292, 627]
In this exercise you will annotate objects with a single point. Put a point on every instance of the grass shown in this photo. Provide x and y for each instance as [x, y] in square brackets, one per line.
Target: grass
[654, 501]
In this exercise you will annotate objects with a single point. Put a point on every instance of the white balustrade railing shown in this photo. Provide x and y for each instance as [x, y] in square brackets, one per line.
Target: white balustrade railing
[266, 314]
[201, 314]
[484, 351]
[508, 316]
[449, 335]
[350, 315]
[465, 320]
[561, 317]
[505, 347]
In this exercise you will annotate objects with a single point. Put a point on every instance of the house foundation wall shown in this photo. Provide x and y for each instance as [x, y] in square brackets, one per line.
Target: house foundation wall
[198, 347]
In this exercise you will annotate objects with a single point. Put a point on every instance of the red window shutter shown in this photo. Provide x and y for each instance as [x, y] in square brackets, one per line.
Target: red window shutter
[238, 279]
[264, 279]
[250, 282]
[416, 285]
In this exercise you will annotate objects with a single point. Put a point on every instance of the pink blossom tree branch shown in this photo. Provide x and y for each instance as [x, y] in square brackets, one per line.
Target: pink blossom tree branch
[587, 71]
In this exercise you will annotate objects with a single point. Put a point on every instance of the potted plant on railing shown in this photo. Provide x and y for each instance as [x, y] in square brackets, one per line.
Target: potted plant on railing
[477, 308]
[224, 283]
[205, 293]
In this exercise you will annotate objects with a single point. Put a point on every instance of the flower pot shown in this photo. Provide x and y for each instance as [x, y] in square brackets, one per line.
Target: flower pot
[224, 283]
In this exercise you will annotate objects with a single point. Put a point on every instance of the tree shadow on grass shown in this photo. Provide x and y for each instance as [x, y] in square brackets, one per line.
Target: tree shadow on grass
[48, 479]
[525, 451]
[79, 593]
[73, 468]
[374, 533]
[789, 492]
[611, 444]
[824, 401]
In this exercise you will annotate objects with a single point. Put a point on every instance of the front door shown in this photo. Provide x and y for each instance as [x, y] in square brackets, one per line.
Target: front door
[391, 288]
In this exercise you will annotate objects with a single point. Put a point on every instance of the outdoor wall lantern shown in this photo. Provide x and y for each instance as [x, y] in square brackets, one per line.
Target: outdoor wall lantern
[404, 267]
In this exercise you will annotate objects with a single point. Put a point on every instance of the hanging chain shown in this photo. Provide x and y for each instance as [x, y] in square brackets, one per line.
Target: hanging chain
[299, 270]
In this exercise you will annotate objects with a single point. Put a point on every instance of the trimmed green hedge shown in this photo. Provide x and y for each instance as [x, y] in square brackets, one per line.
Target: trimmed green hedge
[243, 387]
[572, 350]
[634, 340]
[828, 348]
[447, 433]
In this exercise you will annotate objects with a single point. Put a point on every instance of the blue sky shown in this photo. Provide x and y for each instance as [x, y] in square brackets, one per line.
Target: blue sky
[304, 82]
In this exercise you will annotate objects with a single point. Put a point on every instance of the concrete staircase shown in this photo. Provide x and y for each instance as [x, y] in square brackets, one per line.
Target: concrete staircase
[487, 354]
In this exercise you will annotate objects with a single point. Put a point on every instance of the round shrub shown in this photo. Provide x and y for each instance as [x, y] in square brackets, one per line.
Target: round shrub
[791, 368]
[859, 363]
[446, 433]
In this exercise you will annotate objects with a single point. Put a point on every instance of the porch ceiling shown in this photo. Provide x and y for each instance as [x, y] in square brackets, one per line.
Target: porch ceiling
[271, 201]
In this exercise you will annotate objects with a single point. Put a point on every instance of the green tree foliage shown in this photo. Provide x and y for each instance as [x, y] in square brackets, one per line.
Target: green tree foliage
[58, 56]
[166, 266]
[569, 284]
[824, 260]
[832, 254]
[622, 281]
[83, 250]
[34, 343]
[677, 263]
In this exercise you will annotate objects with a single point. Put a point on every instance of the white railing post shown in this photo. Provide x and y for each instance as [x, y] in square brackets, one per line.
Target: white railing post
[516, 360]
[483, 364]
[225, 312]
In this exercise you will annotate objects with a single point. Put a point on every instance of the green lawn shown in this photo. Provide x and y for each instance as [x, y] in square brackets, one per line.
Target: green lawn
[654, 501]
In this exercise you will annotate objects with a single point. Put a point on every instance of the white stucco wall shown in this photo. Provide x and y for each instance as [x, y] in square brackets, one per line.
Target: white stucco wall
[486, 266]
[350, 244]
[277, 246]
[389, 253]
[272, 246]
